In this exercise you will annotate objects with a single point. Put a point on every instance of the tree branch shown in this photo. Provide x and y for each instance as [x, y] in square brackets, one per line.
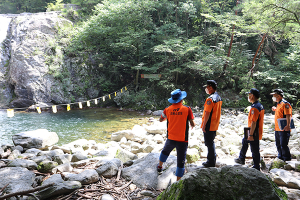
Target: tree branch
[24, 192]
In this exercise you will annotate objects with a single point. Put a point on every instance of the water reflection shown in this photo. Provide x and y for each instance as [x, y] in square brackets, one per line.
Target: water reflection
[92, 124]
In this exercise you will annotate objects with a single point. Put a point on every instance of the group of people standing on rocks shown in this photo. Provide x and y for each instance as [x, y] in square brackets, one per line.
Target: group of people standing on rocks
[179, 117]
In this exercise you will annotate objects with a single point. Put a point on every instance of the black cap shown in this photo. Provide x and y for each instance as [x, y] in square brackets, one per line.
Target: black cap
[212, 83]
[255, 92]
[277, 91]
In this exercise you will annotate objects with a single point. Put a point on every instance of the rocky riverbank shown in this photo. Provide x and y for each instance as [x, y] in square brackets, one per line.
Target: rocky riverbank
[126, 167]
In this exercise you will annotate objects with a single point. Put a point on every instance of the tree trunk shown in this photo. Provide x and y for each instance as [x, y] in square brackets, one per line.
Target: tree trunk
[253, 60]
[231, 41]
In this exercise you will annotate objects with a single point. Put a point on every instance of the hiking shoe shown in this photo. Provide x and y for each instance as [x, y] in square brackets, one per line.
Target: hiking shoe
[159, 168]
[239, 161]
[207, 164]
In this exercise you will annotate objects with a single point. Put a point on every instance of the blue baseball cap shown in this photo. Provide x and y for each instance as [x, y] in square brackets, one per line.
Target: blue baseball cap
[177, 95]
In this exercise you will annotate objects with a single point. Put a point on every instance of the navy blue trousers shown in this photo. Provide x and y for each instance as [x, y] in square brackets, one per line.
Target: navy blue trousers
[209, 137]
[181, 148]
[254, 146]
[282, 141]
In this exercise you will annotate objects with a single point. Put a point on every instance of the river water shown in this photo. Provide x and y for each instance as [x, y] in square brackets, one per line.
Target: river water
[91, 124]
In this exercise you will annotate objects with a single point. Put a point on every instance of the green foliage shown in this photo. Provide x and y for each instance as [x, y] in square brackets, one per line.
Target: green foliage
[58, 6]
[187, 42]
[20, 6]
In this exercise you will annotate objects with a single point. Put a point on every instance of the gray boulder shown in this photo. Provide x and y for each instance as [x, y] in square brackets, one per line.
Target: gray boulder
[62, 168]
[14, 154]
[125, 156]
[51, 153]
[117, 136]
[78, 157]
[86, 177]
[46, 166]
[285, 178]
[29, 164]
[157, 112]
[108, 167]
[18, 148]
[40, 138]
[33, 151]
[60, 187]
[224, 184]
[61, 159]
[18, 178]
[143, 172]
[39, 159]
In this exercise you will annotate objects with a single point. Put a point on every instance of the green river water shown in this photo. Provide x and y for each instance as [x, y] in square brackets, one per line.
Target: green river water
[91, 124]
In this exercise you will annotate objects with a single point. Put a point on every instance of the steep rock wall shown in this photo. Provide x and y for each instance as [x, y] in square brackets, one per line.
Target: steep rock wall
[25, 78]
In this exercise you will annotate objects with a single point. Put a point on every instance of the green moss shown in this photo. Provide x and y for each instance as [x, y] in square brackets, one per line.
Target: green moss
[173, 192]
[118, 152]
[277, 164]
[297, 168]
[192, 158]
[280, 193]
[45, 167]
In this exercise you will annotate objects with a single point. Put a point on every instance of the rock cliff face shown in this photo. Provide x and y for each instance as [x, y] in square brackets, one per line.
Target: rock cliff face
[24, 75]
[5, 91]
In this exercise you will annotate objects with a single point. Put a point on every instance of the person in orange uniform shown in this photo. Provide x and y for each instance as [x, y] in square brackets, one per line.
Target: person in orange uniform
[255, 123]
[282, 110]
[178, 118]
[210, 121]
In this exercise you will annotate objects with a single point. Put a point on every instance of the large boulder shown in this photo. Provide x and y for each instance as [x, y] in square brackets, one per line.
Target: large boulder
[28, 75]
[117, 136]
[40, 138]
[125, 156]
[29, 164]
[223, 184]
[108, 167]
[143, 172]
[157, 128]
[19, 179]
[60, 187]
[86, 177]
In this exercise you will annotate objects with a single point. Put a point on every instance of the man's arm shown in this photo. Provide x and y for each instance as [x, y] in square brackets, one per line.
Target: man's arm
[206, 117]
[288, 122]
[252, 128]
[192, 123]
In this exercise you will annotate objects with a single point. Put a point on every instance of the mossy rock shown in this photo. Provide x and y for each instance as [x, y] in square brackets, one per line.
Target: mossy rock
[297, 167]
[46, 166]
[277, 164]
[281, 193]
[193, 157]
[226, 183]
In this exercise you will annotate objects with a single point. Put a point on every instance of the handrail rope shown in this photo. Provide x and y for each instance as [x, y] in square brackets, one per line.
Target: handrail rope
[70, 103]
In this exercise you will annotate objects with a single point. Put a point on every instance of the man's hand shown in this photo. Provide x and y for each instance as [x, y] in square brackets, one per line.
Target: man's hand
[287, 128]
[273, 108]
[250, 138]
[203, 129]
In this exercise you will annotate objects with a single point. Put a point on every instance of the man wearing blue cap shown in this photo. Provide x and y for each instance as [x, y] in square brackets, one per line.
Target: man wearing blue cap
[178, 117]
[210, 121]
[252, 136]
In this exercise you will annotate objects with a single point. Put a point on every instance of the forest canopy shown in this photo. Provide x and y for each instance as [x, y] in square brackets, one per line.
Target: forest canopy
[240, 44]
